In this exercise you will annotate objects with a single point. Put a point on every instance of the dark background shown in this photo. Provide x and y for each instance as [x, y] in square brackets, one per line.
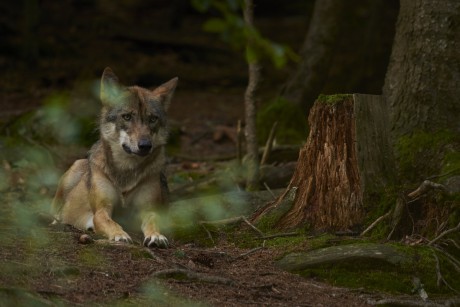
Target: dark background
[50, 47]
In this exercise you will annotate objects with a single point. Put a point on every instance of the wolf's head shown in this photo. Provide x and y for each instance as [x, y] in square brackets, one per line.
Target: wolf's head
[133, 119]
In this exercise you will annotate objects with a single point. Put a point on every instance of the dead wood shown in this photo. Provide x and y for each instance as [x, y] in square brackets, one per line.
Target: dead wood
[252, 251]
[401, 212]
[425, 187]
[230, 221]
[455, 263]
[279, 235]
[269, 144]
[439, 278]
[445, 233]
[194, 276]
[277, 176]
[375, 223]
[344, 163]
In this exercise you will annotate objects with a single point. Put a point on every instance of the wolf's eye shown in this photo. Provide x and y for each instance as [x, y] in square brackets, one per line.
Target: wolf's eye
[153, 119]
[127, 117]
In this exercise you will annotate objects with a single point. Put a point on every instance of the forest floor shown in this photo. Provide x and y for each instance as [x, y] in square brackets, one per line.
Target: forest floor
[44, 265]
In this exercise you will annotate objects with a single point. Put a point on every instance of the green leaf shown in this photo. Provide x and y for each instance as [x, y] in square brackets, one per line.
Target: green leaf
[251, 54]
[201, 5]
[234, 4]
[215, 25]
[278, 55]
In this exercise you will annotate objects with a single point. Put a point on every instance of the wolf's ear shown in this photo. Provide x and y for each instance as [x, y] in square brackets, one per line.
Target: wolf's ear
[165, 92]
[110, 86]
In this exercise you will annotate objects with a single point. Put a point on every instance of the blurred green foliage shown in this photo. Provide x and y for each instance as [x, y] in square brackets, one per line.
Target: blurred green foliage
[234, 31]
[292, 122]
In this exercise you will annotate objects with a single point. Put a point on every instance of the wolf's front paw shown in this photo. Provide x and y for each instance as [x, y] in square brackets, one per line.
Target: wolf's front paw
[156, 240]
[121, 236]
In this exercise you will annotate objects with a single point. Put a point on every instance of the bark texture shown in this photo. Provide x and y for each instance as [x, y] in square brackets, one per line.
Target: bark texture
[422, 81]
[346, 159]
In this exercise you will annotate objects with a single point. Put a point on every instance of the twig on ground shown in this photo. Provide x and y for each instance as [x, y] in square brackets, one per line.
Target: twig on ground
[209, 234]
[155, 257]
[269, 144]
[191, 275]
[252, 251]
[279, 235]
[371, 226]
[230, 221]
[456, 228]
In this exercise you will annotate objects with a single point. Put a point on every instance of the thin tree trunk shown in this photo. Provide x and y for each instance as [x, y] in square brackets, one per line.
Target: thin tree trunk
[250, 108]
[317, 52]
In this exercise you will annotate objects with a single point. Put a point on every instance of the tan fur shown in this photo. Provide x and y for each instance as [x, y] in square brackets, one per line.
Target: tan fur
[120, 170]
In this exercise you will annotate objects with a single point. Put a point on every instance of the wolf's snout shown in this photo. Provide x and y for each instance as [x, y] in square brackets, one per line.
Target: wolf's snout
[144, 147]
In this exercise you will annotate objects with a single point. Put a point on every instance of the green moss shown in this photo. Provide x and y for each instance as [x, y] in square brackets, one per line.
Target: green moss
[423, 154]
[451, 163]
[193, 233]
[377, 275]
[333, 99]
[377, 205]
[287, 243]
[292, 122]
[362, 274]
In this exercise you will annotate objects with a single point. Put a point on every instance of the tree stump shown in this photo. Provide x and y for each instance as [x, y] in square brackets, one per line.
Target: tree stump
[346, 161]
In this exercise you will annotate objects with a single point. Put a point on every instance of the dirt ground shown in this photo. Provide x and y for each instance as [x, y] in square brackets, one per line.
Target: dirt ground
[66, 271]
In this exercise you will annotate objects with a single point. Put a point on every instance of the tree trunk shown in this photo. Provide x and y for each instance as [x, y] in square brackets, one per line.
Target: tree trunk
[316, 54]
[422, 81]
[345, 162]
[250, 108]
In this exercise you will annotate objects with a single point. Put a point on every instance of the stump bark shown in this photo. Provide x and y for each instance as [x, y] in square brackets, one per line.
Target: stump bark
[346, 161]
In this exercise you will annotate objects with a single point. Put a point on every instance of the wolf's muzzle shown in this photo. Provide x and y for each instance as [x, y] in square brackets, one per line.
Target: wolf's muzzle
[144, 147]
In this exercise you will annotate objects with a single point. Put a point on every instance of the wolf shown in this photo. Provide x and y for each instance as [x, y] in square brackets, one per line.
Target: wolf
[125, 168]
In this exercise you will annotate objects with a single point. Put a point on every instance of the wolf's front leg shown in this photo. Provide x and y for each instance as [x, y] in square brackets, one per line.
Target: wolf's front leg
[103, 197]
[104, 224]
[152, 236]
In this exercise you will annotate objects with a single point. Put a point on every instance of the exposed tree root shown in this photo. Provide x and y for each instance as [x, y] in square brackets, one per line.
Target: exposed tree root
[408, 303]
[425, 187]
[191, 275]
[456, 228]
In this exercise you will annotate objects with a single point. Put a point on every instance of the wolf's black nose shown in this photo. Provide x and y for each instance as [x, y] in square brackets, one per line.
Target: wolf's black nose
[144, 146]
